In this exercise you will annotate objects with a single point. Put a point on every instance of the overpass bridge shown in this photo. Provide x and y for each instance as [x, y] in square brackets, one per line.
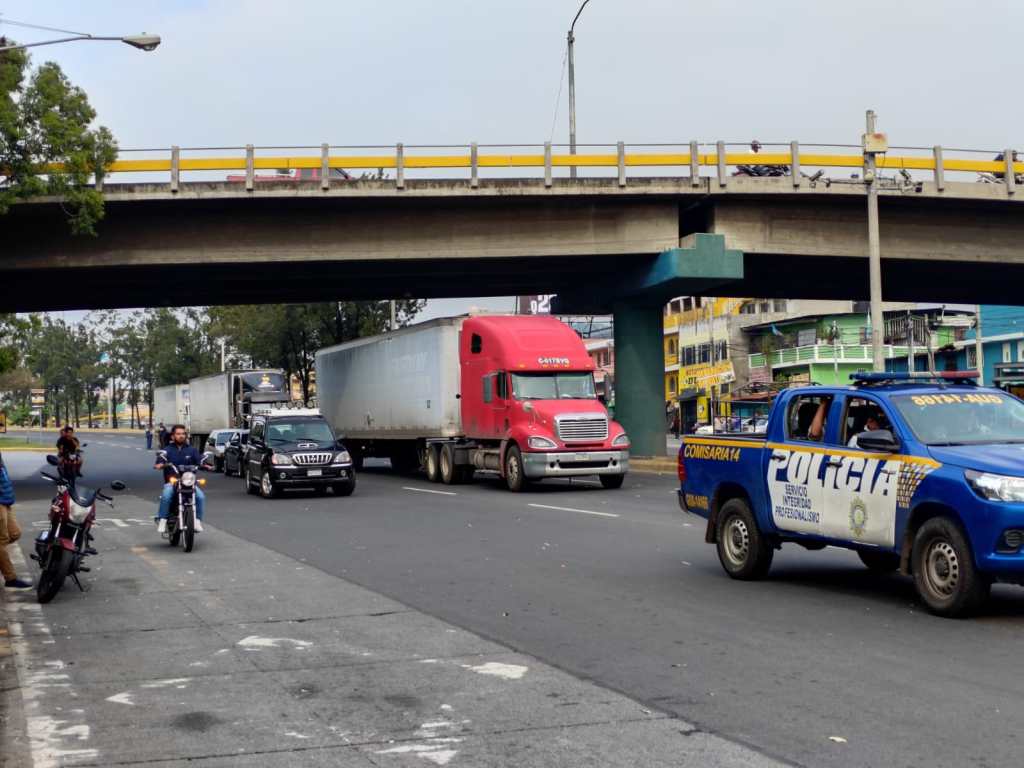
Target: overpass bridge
[648, 223]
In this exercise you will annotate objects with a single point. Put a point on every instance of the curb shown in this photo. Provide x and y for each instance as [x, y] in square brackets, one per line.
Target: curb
[25, 449]
[656, 465]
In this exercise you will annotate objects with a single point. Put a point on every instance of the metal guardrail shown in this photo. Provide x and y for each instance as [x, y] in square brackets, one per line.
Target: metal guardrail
[475, 157]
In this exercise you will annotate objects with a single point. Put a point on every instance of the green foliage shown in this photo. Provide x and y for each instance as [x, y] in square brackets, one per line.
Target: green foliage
[137, 352]
[45, 119]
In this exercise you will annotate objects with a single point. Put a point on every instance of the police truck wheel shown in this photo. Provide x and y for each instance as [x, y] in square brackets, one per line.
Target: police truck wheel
[743, 551]
[515, 478]
[879, 562]
[431, 463]
[944, 573]
[447, 468]
[611, 481]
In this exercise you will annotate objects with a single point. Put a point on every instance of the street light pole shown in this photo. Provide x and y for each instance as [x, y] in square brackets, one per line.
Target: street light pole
[874, 143]
[143, 42]
[572, 89]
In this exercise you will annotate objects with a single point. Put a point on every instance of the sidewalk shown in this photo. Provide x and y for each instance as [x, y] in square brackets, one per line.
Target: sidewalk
[234, 655]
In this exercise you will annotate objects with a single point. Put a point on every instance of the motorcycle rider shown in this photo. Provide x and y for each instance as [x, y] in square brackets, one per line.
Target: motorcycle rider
[67, 448]
[178, 452]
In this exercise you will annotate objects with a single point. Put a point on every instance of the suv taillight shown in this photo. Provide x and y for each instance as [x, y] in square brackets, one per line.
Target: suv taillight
[681, 466]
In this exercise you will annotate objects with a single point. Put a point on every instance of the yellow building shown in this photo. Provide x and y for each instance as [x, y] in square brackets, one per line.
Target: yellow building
[699, 365]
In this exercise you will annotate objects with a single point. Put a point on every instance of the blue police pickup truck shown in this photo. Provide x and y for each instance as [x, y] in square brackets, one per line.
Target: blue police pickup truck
[921, 473]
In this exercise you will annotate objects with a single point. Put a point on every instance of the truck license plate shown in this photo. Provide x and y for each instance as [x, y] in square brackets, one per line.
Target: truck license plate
[314, 472]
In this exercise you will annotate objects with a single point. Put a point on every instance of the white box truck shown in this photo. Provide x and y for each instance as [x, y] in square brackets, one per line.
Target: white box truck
[170, 405]
[227, 399]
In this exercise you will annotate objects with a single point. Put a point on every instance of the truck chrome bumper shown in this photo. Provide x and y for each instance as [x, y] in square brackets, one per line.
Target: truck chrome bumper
[575, 463]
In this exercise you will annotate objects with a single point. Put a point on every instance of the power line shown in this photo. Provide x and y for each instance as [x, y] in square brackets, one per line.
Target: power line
[558, 101]
[13, 23]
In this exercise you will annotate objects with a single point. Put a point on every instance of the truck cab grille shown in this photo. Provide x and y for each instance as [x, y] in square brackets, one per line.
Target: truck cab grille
[307, 459]
[582, 428]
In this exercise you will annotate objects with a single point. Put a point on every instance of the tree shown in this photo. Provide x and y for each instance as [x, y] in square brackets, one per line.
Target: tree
[45, 120]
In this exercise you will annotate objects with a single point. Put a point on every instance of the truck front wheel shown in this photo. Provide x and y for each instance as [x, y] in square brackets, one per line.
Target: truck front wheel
[742, 549]
[515, 479]
[944, 573]
[611, 481]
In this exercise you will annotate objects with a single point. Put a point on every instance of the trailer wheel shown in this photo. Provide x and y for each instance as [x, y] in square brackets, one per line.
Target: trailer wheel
[744, 552]
[432, 463]
[944, 573]
[515, 478]
[448, 470]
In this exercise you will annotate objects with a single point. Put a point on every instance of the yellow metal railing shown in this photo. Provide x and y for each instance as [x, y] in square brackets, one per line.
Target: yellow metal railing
[631, 160]
[401, 159]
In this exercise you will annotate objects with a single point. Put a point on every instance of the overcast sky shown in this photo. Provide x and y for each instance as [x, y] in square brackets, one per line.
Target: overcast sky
[455, 71]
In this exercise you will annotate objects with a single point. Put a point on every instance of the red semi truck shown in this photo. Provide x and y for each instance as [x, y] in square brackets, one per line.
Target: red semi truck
[511, 394]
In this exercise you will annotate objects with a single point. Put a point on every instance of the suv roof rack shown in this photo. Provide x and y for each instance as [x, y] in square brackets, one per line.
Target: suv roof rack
[868, 378]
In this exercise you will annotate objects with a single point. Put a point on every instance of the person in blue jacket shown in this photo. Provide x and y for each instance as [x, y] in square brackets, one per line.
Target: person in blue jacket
[10, 531]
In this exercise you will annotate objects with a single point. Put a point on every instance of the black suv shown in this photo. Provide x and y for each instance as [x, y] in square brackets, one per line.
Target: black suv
[295, 449]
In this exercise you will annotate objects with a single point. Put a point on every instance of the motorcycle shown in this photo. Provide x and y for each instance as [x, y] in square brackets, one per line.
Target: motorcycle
[181, 520]
[60, 550]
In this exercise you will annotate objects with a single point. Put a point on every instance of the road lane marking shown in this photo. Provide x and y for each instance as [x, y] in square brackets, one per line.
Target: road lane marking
[570, 509]
[429, 490]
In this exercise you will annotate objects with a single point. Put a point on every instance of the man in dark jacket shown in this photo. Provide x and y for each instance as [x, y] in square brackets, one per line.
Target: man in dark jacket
[10, 531]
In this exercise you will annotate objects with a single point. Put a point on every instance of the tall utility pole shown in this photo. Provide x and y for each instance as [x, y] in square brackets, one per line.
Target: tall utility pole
[873, 144]
[572, 89]
[979, 347]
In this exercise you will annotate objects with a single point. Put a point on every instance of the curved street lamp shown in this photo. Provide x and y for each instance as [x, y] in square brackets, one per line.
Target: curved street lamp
[572, 89]
[143, 42]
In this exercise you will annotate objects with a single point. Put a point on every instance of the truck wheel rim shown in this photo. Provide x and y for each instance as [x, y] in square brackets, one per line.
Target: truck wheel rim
[513, 469]
[942, 568]
[736, 541]
[265, 485]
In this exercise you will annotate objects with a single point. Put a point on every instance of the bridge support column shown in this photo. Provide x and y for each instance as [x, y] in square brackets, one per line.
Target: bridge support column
[639, 375]
[700, 266]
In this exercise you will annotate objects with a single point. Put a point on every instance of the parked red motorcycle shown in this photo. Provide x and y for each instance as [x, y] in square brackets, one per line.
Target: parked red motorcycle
[61, 550]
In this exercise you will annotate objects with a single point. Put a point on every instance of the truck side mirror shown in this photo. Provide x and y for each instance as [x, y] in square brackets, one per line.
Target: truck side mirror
[881, 440]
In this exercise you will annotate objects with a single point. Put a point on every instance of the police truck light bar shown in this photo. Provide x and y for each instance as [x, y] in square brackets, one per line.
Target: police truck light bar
[869, 376]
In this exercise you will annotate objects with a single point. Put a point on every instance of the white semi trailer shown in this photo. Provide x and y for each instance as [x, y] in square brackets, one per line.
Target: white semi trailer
[170, 405]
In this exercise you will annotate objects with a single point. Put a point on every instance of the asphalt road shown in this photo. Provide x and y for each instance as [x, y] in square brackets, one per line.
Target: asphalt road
[822, 664]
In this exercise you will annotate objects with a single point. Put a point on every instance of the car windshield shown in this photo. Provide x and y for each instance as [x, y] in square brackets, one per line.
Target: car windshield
[963, 418]
[298, 431]
[578, 385]
[223, 438]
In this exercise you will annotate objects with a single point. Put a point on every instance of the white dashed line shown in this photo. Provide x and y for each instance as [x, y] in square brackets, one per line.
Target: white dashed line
[429, 490]
[570, 509]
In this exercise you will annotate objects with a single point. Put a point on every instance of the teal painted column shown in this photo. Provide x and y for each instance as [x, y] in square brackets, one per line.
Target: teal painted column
[640, 374]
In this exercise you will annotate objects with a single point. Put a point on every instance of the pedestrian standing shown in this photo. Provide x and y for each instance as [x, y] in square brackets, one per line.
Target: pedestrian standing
[163, 436]
[10, 531]
[149, 438]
